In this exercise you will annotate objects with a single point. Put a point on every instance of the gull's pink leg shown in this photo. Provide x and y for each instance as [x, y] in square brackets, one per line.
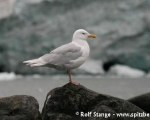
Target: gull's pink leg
[70, 79]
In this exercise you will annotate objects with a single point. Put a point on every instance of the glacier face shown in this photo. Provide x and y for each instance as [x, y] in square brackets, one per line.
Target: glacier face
[33, 29]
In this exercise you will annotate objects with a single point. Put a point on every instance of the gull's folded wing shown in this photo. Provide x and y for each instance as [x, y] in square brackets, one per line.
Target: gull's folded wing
[62, 55]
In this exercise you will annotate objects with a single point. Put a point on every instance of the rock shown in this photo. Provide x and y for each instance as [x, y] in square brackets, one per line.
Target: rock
[91, 66]
[63, 103]
[125, 71]
[142, 101]
[19, 107]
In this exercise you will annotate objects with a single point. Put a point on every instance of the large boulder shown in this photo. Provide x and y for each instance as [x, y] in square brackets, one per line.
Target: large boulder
[19, 107]
[142, 101]
[70, 102]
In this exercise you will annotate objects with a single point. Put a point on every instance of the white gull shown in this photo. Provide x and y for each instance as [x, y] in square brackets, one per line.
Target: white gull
[68, 56]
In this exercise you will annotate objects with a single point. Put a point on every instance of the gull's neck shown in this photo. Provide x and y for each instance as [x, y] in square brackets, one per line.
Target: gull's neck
[79, 42]
[84, 45]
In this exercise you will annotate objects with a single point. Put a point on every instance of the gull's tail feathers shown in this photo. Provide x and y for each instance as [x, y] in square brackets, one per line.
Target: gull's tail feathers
[35, 62]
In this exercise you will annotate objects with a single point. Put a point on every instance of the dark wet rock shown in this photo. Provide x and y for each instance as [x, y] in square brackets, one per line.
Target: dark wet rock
[19, 107]
[142, 101]
[64, 102]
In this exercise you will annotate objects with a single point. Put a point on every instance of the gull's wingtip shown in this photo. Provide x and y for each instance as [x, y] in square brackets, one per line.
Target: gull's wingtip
[30, 61]
[26, 61]
[34, 63]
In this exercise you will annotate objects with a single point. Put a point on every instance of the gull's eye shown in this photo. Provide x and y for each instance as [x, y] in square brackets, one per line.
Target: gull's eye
[83, 33]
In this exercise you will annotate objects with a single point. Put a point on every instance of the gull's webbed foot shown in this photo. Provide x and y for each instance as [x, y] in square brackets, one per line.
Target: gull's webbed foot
[75, 83]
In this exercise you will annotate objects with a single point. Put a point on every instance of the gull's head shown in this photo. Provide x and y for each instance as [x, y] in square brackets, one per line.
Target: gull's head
[82, 35]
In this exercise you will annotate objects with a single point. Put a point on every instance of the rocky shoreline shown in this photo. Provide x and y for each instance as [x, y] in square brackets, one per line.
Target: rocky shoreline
[71, 102]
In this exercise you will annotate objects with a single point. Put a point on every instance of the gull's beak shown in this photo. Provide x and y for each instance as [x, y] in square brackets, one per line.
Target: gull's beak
[91, 36]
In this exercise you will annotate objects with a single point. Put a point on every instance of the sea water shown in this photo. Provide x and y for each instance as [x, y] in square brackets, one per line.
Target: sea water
[39, 86]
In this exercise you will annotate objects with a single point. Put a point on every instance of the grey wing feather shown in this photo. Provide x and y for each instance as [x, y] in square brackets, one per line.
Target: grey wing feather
[62, 55]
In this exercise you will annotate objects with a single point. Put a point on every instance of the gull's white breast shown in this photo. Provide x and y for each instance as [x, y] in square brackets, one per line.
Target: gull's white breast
[85, 49]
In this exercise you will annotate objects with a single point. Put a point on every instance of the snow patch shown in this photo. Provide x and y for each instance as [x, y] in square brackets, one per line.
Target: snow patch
[4, 76]
[91, 67]
[36, 76]
[148, 74]
[125, 71]
[6, 8]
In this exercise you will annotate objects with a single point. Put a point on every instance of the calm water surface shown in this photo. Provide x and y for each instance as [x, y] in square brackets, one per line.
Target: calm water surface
[124, 88]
